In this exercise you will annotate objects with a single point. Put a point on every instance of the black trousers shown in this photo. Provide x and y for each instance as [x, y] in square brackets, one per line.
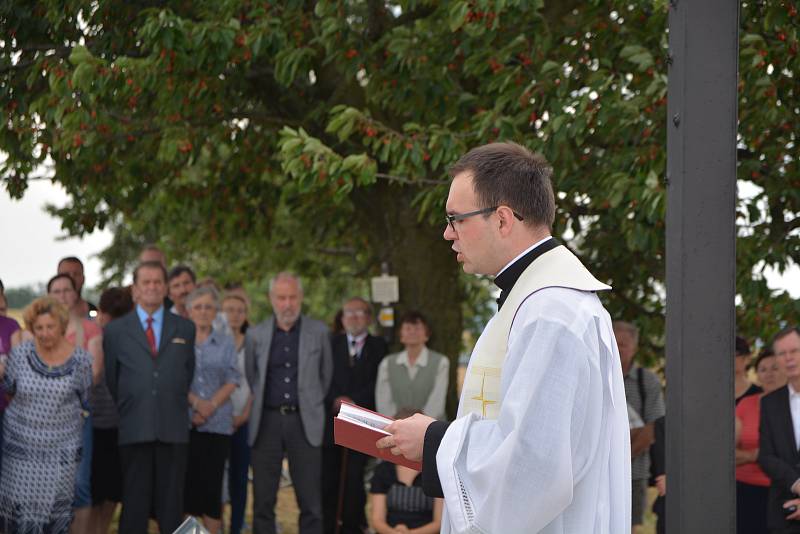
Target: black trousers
[355, 498]
[751, 508]
[152, 476]
[280, 434]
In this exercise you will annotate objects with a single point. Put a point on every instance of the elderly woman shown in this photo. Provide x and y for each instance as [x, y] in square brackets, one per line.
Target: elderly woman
[417, 377]
[752, 485]
[87, 335]
[234, 307]
[49, 379]
[215, 379]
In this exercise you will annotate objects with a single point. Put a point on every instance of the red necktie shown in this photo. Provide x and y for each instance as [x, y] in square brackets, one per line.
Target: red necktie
[151, 336]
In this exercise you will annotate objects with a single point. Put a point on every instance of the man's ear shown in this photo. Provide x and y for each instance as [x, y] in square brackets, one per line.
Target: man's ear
[507, 220]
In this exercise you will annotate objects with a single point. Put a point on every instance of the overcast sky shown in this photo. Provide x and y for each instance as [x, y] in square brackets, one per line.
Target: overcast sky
[29, 244]
[30, 248]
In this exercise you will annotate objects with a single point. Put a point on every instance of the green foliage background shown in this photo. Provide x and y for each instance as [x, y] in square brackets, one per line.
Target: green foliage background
[249, 136]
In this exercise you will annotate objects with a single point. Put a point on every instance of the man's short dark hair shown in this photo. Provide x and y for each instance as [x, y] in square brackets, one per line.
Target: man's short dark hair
[59, 277]
[116, 301]
[508, 174]
[742, 347]
[785, 332]
[149, 265]
[71, 259]
[178, 270]
[415, 317]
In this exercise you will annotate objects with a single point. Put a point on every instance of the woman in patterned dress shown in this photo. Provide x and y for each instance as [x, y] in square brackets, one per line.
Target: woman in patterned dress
[49, 379]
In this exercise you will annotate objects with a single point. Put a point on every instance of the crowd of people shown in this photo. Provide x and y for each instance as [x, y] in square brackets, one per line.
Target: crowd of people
[145, 399]
[767, 433]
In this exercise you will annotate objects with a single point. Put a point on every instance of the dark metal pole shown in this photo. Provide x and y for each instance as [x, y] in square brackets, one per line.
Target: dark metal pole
[701, 260]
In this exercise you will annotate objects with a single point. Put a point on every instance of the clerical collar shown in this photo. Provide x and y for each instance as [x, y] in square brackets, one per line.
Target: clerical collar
[506, 279]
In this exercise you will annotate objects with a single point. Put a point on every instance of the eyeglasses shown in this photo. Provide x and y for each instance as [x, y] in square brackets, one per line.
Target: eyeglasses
[354, 313]
[455, 217]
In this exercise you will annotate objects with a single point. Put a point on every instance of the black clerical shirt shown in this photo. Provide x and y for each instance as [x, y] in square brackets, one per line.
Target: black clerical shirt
[506, 279]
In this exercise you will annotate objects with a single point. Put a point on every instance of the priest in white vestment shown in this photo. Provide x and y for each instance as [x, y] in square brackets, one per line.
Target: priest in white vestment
[541, 440]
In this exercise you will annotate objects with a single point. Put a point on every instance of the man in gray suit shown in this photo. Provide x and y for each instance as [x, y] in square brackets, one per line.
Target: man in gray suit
[289, 367]
[149, 357]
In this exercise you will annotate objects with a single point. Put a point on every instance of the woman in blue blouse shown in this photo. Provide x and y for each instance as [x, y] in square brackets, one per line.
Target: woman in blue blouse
[215, 378]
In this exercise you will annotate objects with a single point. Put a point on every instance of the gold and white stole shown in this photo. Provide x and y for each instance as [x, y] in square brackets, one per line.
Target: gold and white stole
[556, 268]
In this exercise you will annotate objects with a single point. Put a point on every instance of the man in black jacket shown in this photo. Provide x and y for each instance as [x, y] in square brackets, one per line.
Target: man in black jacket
[149, 357]
[356, 355]
[779, 436]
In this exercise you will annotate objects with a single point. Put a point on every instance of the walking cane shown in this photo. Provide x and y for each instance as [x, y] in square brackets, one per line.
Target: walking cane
[340, 501]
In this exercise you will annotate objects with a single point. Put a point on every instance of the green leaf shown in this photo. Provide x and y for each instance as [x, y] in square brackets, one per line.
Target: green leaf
[457, 14]
[79, 54]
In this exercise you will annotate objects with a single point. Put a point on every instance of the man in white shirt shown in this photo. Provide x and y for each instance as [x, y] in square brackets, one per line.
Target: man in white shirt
[779, 435]
[541, 442]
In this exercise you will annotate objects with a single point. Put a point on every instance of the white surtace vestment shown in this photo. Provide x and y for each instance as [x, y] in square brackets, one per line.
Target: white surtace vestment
[541, 442]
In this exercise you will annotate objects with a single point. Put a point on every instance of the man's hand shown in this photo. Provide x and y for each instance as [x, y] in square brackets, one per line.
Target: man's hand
[796, 487]
[407, 436]
[795, 516]
[197, 419]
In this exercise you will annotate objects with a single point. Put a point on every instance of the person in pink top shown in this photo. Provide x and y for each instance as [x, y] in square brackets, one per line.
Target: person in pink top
[88, 335]
[752, 484]
[81, 331]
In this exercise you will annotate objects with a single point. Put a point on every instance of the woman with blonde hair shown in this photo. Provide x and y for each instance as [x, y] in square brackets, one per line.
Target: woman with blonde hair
[49, 379]
[235, 306]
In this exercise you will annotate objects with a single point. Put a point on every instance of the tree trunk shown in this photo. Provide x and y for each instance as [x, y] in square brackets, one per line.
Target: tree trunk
[424, 263]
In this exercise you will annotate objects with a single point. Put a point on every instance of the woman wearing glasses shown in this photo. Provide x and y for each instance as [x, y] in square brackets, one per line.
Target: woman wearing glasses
[215, 379]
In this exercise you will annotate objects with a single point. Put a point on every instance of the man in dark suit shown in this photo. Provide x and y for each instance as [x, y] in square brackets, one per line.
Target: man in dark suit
[149, 357]
[356, 356]
[779, 437]
[288, 366]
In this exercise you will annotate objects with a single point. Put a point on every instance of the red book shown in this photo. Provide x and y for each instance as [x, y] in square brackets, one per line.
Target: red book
[358, 428]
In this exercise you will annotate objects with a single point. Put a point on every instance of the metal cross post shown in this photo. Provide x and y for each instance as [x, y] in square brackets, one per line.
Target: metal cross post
[701, 265]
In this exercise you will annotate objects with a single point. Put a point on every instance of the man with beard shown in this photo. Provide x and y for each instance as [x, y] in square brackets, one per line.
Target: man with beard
[289, 368]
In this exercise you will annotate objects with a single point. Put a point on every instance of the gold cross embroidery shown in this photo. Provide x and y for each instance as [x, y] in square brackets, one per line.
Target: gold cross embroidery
[484, 402]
